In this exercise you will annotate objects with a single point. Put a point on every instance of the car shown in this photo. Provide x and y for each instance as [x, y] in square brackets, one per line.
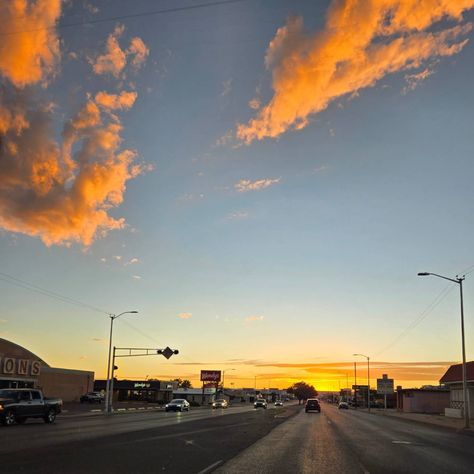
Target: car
[92, 397]
[278, 403]
[343, 406]
[312, 404]
[221, 403]
[178, 404]
[260, 403]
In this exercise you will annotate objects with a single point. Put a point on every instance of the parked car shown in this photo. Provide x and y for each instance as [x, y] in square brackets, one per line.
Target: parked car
[343, 406]
[312, 404]
[178, 404]
[220, 403]
[260, 403]
[278, 403]
[19, 404]
[92, 397]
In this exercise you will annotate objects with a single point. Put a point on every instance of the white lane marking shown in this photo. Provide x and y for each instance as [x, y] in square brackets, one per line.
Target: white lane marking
[210, 468]
[401, 442]
[95, 411]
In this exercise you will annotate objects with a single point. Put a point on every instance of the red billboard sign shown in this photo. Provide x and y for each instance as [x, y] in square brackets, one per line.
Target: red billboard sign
[211, 375]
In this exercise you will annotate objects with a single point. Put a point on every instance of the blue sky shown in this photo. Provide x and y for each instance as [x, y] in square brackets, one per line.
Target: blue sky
[318, 265]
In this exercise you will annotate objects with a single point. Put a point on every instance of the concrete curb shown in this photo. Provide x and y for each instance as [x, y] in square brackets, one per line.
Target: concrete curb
[426, 422]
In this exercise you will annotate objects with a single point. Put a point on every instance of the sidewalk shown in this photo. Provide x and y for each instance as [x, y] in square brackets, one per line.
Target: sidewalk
[438, 420]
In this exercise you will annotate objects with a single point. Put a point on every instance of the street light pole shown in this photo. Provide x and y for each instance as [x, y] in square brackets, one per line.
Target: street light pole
[108, 395]
[459, 281]
[368, 379]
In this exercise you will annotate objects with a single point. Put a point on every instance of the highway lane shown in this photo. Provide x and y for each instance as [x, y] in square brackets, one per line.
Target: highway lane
[136, 443]
[67, 429]
[349, 442]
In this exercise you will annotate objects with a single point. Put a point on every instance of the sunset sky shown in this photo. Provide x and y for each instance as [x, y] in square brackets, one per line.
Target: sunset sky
[262, 180]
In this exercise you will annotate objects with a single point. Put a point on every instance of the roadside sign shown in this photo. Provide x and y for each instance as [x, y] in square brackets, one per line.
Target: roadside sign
[211, 376]
[385, 385]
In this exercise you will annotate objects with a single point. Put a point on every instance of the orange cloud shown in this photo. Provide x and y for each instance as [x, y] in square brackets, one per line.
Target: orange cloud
[114, 60]
[59, 192]
[185, 315]
[124, 100]
[361, 43]
[245, 185]
[139, 51]
[45, 190]
[29, 47]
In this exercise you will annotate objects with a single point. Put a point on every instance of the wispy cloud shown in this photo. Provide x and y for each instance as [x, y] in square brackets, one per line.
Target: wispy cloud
[100, 340]
[320, 169]
[254, 319]
[132, 261]
[245, 185]
[136, 277]
[3, 321]
[238, 215]
[226, 87]
[185, 315]
[414, 80]
[361, 43]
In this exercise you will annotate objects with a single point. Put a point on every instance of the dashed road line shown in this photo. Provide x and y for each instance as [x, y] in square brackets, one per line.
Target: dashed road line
[210, 468]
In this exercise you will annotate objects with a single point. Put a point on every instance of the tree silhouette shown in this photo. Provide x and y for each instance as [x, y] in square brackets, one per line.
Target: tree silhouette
[302, 391]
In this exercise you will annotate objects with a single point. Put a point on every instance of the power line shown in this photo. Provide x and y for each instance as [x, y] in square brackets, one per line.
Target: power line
[125, 17]
[446, 290]
[51, 294]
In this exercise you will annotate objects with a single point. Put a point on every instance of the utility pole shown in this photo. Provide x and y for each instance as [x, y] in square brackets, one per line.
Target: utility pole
[355, 385]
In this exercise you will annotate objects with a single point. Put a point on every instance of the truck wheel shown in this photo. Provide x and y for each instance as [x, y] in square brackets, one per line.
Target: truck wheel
[9, 418]
[50, 417]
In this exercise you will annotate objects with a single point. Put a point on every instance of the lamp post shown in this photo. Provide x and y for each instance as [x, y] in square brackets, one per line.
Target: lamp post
[368, 378]
[459, 281]
[108, 395]
[223, 378]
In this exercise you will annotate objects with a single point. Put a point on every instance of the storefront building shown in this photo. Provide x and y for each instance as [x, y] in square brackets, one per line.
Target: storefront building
[21, 368]
[156, 391]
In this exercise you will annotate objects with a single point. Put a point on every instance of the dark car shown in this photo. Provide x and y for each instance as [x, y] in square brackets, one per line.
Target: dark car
[312, 404]
[178, 404]
[17, 405]
[92, 397]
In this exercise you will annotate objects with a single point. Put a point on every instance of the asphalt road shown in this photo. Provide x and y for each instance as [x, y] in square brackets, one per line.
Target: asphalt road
[141, 442]
[237, 440]
[348, 441]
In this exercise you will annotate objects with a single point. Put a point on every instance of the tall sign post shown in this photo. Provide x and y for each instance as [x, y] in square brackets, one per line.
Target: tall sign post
[385, 387]
[210, 377]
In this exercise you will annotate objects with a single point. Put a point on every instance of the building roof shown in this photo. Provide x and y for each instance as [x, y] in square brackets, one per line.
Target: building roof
[454, 373]
[10, 349]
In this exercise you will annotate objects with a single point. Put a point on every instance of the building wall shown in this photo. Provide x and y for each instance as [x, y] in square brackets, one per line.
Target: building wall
[64, 383]
[419, 401]
[457, 397]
